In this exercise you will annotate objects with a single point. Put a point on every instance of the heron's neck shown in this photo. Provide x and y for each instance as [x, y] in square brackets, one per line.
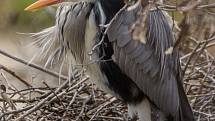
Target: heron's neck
[111, 7]
[78, 24]
[69, 2]
[71, 23]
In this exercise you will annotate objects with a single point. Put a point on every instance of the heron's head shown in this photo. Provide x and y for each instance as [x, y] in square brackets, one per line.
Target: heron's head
[44, 3]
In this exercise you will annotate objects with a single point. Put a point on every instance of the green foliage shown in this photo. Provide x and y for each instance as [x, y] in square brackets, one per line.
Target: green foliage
[13, 14]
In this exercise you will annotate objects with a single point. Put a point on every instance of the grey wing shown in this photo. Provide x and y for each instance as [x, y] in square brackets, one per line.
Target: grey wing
[154, 72]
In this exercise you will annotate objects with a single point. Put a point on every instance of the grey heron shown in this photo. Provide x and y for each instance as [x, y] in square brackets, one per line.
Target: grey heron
[139, 72]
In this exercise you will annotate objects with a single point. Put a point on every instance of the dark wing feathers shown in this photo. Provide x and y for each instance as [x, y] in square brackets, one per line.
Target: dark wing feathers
[154, 72]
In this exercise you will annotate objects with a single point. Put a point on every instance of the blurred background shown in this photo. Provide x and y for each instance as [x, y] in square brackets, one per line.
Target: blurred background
[14, 21]
[13, 16]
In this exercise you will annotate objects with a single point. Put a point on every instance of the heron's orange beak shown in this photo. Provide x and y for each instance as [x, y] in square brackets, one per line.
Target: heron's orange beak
[42, 3]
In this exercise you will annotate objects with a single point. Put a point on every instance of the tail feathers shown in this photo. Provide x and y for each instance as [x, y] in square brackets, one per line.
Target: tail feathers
[185, 111]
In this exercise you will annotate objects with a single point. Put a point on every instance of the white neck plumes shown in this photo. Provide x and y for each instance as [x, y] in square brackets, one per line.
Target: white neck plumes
[67, 35]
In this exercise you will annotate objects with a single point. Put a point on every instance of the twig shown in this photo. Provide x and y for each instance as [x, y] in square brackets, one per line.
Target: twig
[102, 106]
[16, 111]
[107, 29]
[41, 103]
[83, 107]
[55, 94]
[33, 65]
[15, 75]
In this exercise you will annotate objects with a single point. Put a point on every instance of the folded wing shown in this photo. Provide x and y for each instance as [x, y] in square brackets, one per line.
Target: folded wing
[148, 63]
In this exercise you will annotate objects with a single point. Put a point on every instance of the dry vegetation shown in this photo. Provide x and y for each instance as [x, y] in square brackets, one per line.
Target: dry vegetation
[74, 99]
